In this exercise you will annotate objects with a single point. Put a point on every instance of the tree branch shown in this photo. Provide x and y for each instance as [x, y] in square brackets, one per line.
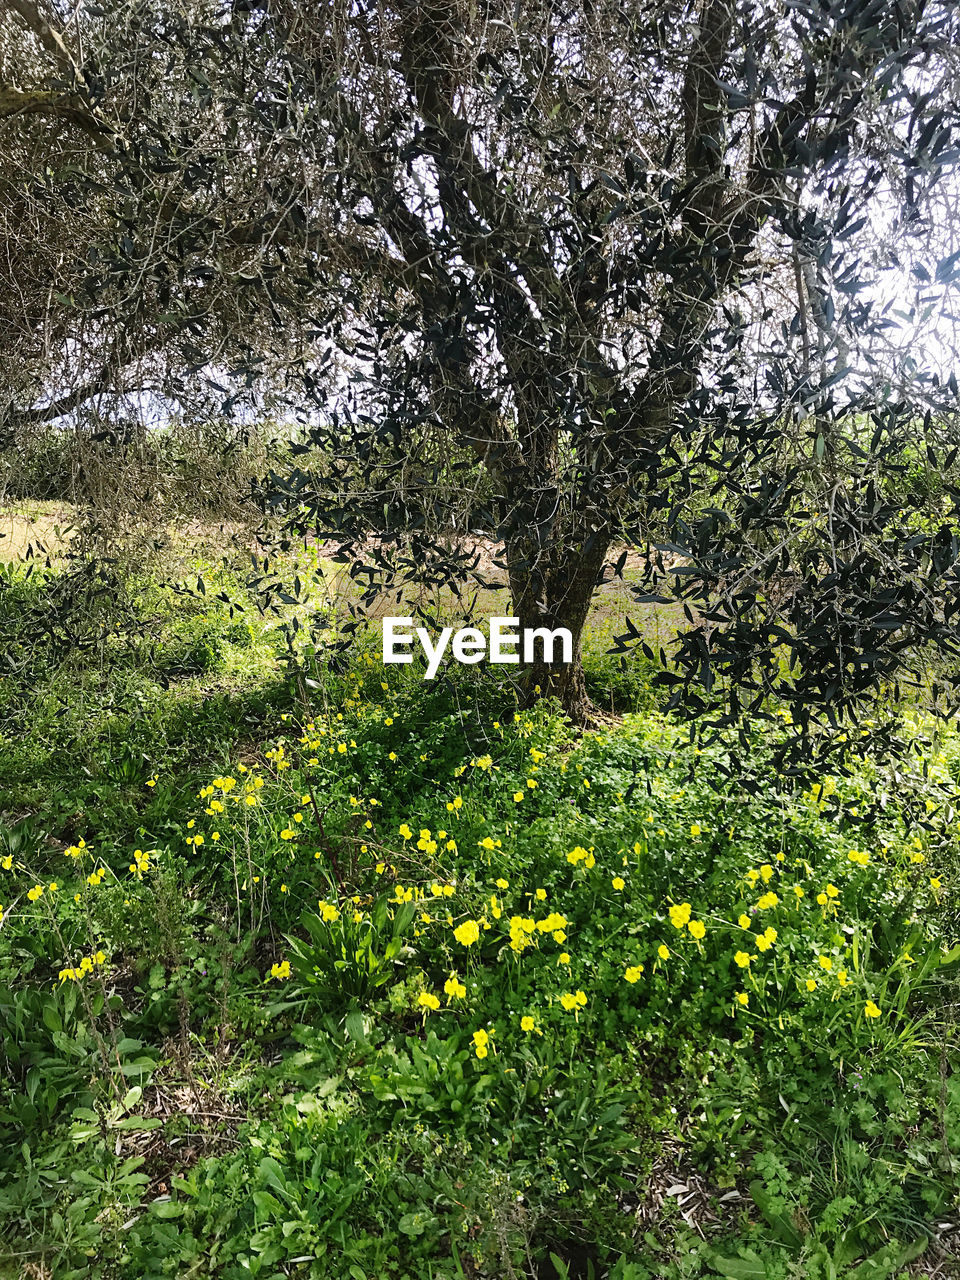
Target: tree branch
[66, 106]
[63, 404]
[53, 102]
[50, 39]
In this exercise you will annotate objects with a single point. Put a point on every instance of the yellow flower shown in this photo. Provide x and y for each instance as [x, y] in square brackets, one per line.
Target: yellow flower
[742, 998]
[517, 796]
[663, 951]
[502, 884]
[871, 1010]
[633, 973]
[762, 941]
[825, 962]
[540, 895]
[767, 901]
[287, 834]
[697, 929]
[822, 899]
[860, 858]
[694, 829]
[526, 1023]
[811, 984]
[833, 891]
[579, 854]
[934, 883]
[467, 933]
[405, 831]
[280, 970]
[916, 857]
[744, 922]
[34, 893]
[618, 883]
[742, 958]
[573, 1000]
[766, 871]
[770, 933]
[454, 988]
[563, 958]
[428, 1001]
[679, 914]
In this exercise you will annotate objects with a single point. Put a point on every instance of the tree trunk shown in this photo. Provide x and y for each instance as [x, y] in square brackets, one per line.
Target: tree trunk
[564, 599]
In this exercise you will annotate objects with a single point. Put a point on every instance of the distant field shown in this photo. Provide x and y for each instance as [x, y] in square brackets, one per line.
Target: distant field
[46, 528]
[27, 525]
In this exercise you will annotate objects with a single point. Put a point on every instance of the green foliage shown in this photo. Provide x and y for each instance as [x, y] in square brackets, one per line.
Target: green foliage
[199, 470]
[440, 988]
[347, 960]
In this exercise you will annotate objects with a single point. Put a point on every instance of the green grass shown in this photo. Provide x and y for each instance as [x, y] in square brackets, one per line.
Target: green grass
[458, 992]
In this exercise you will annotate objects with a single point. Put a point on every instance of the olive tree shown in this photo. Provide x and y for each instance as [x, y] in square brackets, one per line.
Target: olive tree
[612, 264]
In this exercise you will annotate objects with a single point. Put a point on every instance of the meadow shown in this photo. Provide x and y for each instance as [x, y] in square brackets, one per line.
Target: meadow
[311, 968]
